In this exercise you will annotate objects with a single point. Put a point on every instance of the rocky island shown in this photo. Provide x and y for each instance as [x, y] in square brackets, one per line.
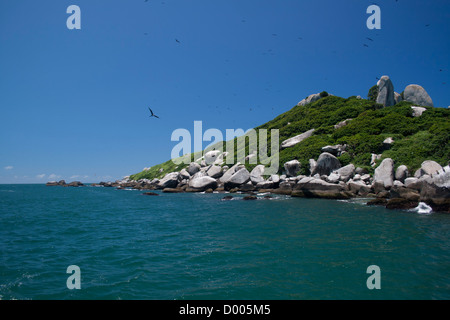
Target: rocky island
[391, 147]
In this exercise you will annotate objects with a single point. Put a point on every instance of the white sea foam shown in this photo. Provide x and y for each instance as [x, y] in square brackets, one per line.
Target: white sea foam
[360, 201]
[422, 208]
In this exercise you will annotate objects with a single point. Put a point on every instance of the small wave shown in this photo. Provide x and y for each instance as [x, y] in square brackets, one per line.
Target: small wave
[17, 283]
[360, 201]
[231, 199]
[7, 190]
[422, 208]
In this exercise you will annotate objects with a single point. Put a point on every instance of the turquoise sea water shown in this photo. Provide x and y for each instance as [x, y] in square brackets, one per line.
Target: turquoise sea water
[195, 246]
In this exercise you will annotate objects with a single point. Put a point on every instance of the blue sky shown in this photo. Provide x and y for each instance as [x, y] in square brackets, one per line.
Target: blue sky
[73, 103]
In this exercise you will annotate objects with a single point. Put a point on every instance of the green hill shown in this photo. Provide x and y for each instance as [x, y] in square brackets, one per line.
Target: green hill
[416, 139]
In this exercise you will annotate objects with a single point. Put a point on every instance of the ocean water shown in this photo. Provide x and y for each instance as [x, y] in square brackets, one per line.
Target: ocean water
[196, 246]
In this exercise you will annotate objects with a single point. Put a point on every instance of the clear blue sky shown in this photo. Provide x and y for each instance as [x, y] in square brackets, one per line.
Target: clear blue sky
[73, 103]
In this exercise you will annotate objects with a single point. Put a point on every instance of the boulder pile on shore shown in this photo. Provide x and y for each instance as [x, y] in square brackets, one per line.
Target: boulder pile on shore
[396, 189]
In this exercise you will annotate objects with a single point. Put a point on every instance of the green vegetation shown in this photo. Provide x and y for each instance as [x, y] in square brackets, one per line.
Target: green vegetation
[324, 94]
[416, 139]
[373, 93]
[155, 172]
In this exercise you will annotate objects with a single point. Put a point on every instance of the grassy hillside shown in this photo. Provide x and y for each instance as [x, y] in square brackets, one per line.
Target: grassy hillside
[416, 139]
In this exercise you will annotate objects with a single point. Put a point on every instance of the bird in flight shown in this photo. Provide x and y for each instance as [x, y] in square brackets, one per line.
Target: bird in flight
[177, 40]
[369, 39]
[152, 114]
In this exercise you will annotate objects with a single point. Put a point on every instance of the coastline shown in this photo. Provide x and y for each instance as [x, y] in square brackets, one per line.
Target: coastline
[394, 190]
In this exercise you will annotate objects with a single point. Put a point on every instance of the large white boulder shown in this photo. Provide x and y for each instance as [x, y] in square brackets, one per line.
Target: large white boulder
[229, 173]
[203, 183]
[193, 168]
[184, 174]
[310, 99]
[317, 188]
[417, 95]
[344, 173]
[214, 171]
[170, 180]
[430, 167]
[297, 139]
[292, 168]
[386, 95]
[384, 173]
[211, 156]
[239, 178]
[417, 111]
[401, 173]
[256, 175]
[326, 164]
[442, 178]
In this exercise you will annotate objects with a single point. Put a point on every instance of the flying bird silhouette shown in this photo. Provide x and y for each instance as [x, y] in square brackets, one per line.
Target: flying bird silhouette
[152, 114]
[177, 40]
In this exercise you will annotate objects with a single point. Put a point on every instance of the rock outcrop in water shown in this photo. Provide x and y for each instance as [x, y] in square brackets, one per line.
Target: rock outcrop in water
[64, 184]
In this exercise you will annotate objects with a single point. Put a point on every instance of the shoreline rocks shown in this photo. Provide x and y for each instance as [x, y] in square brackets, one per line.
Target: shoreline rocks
[316, 188]
[384, 173]
[393, 189]
[326, 163]
[292, 167]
